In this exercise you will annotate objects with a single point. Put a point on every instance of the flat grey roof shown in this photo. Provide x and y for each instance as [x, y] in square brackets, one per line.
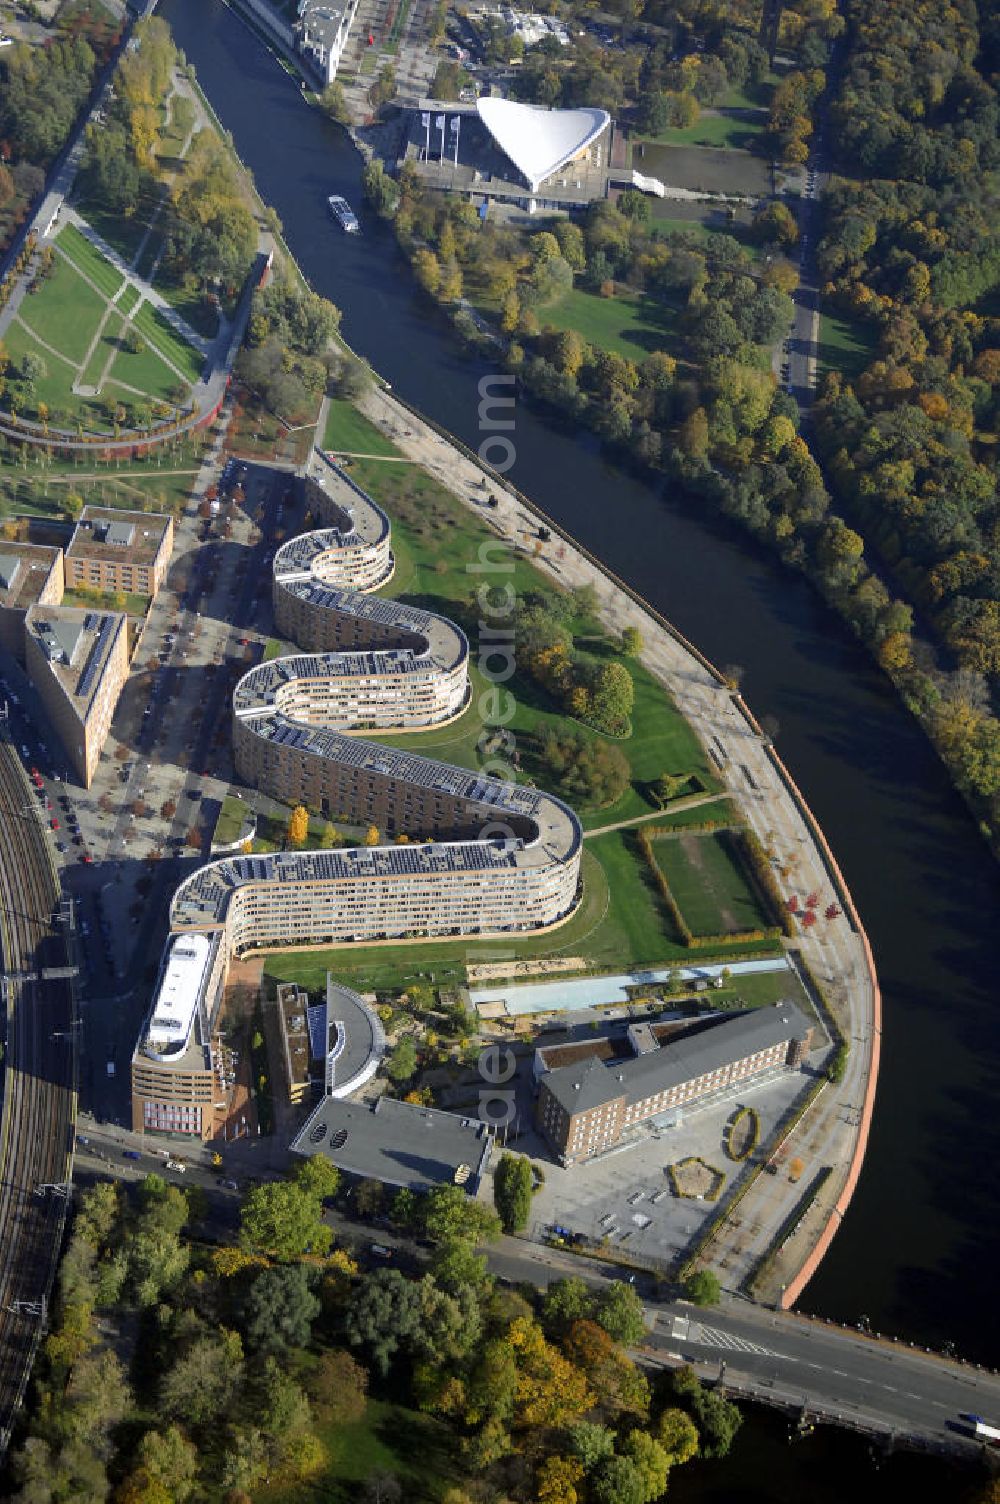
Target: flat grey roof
[398, 1143]
[579, 1087]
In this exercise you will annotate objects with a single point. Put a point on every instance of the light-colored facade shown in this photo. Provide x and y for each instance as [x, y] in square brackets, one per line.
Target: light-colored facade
[78, 662]
[585, 1108]
[31, 574]
[322, 31]
[176, 1072]
[470, 855]
[119, 551]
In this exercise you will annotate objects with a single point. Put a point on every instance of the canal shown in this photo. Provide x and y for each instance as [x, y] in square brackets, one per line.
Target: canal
[917, 1250]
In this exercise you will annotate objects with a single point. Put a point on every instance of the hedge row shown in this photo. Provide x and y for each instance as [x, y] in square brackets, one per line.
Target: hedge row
[645, 838]
[756, 860]
[754, 1139]
[710, 1195]
[781, 1132]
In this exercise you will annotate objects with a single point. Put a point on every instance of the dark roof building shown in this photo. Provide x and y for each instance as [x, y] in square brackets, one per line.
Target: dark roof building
[397, 1143]
[585, 1107]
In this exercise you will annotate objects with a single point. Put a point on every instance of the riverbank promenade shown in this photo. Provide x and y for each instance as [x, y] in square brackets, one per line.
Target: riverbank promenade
[833, 1132]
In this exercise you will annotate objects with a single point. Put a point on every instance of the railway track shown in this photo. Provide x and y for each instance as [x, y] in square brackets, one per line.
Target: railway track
[38, 1114]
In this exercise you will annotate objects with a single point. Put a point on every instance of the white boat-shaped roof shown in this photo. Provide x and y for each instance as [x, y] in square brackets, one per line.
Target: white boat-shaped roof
[539, 141]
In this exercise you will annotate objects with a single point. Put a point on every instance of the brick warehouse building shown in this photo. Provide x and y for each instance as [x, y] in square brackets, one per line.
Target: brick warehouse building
[586, 1107]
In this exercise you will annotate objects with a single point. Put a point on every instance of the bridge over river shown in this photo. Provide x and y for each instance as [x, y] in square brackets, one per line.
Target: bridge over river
[898, 1394]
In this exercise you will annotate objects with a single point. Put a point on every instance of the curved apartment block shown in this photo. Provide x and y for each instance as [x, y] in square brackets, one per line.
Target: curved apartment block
[464, 855]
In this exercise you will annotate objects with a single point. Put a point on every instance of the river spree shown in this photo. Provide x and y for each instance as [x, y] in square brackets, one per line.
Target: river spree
[916, 1253]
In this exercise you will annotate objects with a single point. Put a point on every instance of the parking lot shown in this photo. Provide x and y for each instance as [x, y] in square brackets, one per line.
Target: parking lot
[625, 1196]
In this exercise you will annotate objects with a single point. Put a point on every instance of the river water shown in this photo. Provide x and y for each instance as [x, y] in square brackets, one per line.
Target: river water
[917, 1250]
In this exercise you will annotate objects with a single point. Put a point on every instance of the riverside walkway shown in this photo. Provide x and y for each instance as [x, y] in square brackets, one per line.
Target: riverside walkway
[833, 1132]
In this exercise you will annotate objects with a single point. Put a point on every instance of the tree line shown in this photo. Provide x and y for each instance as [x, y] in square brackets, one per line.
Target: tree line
[178, 1370]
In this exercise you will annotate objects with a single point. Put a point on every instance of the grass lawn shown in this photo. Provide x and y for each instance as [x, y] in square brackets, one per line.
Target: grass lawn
[389, 1439]
[737, 132]
[347, 429]
[55, 388]
[106, 347]
[620, 922]
[146, 372]
[845, 345]
[88, 260]
[65, 313]
[230, 821]
[154, 327]
[191, 306]
[128, 299]
[123, 235]
[105, 600]
[628, 324]
[707, 879]
[434, 538]
[751, 97]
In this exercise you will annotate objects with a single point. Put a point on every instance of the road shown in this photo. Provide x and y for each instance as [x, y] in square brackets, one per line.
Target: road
[845, 1376]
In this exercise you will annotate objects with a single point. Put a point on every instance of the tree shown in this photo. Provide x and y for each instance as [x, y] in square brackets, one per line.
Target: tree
[618, 1481]
[703, 1288]
[385, 1314]
[512, 1191]
[280, 1309]
[281, 1219]
[556, 1480]
[372, 836]
[402, 1062]
[716, 1418]
[171, 1461]
[651, 1461]
[632, 643]
[451, 1216]
[677, 1435]
[592, 1443]
[612, 697]
[566, 1301]
[612, 1375]
[620, 1312]
[550, 1390]
[334, 103]
[338, 1387]
[200, 1383]
[298, 826]
[317, 1177]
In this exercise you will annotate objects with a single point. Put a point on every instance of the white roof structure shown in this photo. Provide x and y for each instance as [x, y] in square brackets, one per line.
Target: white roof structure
[177, 999]
[538, 141]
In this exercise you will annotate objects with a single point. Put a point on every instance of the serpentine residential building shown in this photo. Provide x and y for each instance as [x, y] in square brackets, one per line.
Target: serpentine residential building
[464, 855]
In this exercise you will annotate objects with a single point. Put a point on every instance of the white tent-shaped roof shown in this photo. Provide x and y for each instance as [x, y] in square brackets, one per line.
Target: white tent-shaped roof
[538, 141]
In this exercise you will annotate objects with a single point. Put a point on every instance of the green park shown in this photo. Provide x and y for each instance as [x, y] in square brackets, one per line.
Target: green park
[88, 352]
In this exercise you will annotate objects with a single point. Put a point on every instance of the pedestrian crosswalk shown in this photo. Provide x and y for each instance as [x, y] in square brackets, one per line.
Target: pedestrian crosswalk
[700, 1335]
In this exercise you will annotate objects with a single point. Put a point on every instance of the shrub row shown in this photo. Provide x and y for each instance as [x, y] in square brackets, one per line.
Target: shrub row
[786, 1228]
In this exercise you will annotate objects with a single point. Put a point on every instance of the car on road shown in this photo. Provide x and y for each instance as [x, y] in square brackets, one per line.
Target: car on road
[230, 1185]
[131, 1154]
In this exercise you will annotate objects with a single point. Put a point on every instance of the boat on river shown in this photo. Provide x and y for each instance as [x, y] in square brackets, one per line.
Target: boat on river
[343, 214]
